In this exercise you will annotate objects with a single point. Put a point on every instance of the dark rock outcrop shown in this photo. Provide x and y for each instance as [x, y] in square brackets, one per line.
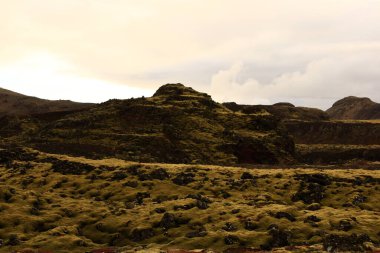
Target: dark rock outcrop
[345, 243]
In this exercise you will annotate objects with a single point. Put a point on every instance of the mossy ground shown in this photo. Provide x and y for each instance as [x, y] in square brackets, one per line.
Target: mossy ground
[112, 201]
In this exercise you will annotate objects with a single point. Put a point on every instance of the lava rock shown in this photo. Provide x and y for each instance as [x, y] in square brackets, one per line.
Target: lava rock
[171, 221]
[129, 205]
[138, 235]
[312, 218]
[345, 243]
[132, 184]
[359, 199]
[184, 178]
[249, 225]
[247, 175]
[314, 207]
[279, 238]
[183, 207]
[119, 175]
[345, 225]
[193, 234]
[201, 204]
[231, 239]
[160, 210]
[160, 174]
[140, 196]
[286, 215]
[318, 178]
[309, 193]
[13, 240]
[230, 227]
[71, 168]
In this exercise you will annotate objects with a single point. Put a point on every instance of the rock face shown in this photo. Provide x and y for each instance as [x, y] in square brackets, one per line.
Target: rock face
[355, 108]
[12, 103]
[333, 142]
[176, 125]
[283, 111]
[330, 132]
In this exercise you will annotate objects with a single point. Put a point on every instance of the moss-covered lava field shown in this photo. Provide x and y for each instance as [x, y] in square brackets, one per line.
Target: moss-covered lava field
[57, 203]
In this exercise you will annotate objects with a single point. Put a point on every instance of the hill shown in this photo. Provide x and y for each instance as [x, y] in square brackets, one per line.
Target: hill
[354, 108]
[12, 103]
[176, 125]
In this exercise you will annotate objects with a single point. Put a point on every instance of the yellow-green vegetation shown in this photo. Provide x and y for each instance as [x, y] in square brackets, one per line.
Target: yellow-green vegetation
[73, 204]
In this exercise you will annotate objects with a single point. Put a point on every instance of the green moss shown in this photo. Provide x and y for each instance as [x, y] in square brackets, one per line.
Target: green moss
[85, 213]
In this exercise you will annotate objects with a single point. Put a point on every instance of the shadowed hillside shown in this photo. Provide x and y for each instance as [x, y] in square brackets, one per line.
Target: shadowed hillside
[355, 108]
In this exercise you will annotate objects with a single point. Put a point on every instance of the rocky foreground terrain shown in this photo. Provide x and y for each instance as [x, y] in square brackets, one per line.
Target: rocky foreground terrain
[56, 203]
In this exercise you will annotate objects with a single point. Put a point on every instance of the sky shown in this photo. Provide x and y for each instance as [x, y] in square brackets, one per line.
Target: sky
[307, 52]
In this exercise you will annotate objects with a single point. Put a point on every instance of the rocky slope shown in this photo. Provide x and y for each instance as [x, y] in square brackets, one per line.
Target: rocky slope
[12, 103]
[176, 125]
[355, 108]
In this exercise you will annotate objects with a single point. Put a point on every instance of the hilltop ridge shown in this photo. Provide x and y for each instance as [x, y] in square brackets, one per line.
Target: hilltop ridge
[355, 108]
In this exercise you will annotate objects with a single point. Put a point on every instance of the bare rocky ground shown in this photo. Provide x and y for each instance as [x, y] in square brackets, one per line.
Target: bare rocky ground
[56, 203]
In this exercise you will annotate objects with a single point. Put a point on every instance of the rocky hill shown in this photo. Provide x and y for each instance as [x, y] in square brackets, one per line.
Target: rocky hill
[355, 108]
[177, 125]
[12, 103]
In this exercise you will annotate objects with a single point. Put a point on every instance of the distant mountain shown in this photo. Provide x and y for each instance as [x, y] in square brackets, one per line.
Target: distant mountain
[355, 108]
[12, 103]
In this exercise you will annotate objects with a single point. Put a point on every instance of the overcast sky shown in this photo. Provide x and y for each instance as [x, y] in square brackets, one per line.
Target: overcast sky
[308, 52]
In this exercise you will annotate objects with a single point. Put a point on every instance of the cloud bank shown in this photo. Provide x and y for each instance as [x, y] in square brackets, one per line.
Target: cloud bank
[306, 52]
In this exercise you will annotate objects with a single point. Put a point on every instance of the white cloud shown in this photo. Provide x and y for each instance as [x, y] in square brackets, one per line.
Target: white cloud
[318, 85]
[47, 76]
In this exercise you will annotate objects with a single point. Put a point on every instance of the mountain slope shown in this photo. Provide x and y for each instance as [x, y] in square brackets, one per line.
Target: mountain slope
[177, 124]
[355, 108]
[12, 103]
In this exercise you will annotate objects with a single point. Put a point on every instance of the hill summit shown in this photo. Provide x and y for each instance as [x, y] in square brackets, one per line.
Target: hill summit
[355, 108]
[178, 89]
